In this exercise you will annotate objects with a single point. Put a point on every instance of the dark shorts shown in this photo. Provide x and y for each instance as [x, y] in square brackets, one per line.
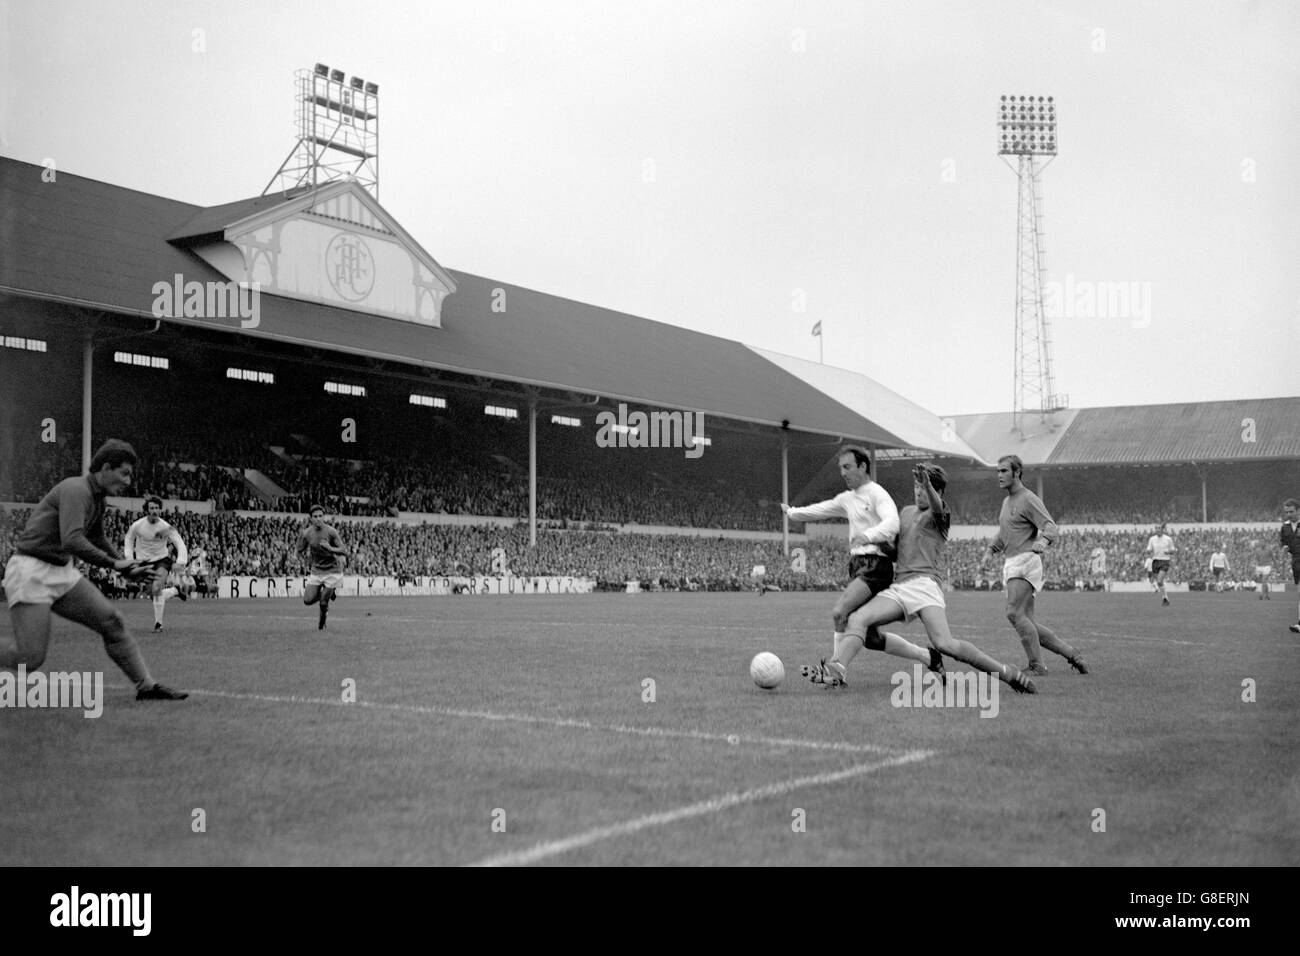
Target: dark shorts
[1218, 572]
[1158, 566]
[874, 570]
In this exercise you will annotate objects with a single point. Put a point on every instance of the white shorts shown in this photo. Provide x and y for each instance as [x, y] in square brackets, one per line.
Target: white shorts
[30, 580]
[330, 579]
[914, 594]
[1028, 565]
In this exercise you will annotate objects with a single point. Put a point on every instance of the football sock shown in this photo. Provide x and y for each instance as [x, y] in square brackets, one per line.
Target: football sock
[1049, 640]
[1028, 638]
[125, 654]
[901, 647]
[168, 593]
[158, 603]
[846, 650]
[970, 654]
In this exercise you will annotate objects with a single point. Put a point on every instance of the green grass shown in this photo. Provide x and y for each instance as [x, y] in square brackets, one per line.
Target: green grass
[1157, 736]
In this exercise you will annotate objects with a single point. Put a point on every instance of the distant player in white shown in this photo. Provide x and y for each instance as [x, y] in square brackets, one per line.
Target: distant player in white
[146, 541]
[1218, 567]
[1097, 567]
[199, 569]
[1160, 546]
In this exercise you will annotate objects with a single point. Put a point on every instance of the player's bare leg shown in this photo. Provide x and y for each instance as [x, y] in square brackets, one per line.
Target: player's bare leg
[936, 628]
[862, 630]
[1048, 639]
[1020, 594]
[86, 606]
[158, 591]
[31, 640]
[311, 594]
[855, 595]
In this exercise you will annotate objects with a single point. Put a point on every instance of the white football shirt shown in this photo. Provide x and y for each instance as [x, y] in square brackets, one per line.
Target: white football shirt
[147, 541]
[871, 512]
[1160, 546]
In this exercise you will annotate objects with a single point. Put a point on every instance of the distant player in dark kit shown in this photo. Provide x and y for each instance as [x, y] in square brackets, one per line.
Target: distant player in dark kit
[1025, 529]
[326, 551]
[1290, 540]
[40, 577]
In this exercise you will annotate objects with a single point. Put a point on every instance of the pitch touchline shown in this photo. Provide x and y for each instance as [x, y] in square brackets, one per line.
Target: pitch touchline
[732, 739]
[714, 805]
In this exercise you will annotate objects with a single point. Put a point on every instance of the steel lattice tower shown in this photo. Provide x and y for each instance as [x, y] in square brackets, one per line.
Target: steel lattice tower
[1027, 130]
[338, 133]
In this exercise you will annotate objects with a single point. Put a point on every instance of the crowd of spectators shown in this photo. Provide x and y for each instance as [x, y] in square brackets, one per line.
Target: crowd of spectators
[267, 546]
[479, 470]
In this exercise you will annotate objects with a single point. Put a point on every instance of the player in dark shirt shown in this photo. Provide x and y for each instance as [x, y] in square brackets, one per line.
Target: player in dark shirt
[1025, 529]
[917, 592]
[325, 548]
[40, 577]
[1290, 539]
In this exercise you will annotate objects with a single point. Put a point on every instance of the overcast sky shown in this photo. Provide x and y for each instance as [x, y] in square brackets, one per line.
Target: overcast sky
[724, 165]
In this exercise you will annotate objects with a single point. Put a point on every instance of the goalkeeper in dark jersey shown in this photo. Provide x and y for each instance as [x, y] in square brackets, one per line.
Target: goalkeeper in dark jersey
[41, 579]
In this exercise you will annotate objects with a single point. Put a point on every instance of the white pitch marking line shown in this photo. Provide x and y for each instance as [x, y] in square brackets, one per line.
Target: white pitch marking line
[732, 739]
[714, 805]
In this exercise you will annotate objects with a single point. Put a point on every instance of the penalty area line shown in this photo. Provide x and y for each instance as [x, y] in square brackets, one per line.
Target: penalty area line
[563, 722]
[552, 848]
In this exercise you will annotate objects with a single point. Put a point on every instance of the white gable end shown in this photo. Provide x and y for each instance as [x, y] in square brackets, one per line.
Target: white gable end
[336, 247]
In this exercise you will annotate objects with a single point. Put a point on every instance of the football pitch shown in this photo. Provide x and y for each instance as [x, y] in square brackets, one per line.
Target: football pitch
[625, 730]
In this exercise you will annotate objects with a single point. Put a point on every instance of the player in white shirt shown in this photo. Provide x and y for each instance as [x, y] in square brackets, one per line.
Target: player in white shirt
[873, 530]
[1097, 566]
[147, 541]
[1218, 566]
[1160, 546]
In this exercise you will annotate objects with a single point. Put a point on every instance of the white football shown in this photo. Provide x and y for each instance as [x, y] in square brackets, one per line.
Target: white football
[767, 670]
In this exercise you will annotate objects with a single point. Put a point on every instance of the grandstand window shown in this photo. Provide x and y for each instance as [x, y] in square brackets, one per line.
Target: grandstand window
[342, 388]
[144, 361]
[429, 401]
[501, 411]
[565, 420]
[18, 342]
[249, 375]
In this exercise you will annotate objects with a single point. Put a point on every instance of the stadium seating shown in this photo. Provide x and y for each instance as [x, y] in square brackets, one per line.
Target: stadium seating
[265, 546]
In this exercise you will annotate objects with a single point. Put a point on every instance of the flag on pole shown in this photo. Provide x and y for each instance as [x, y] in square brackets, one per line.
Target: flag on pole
[817, 329]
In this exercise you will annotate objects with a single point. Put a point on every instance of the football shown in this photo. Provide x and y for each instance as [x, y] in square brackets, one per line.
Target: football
[767, 670]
